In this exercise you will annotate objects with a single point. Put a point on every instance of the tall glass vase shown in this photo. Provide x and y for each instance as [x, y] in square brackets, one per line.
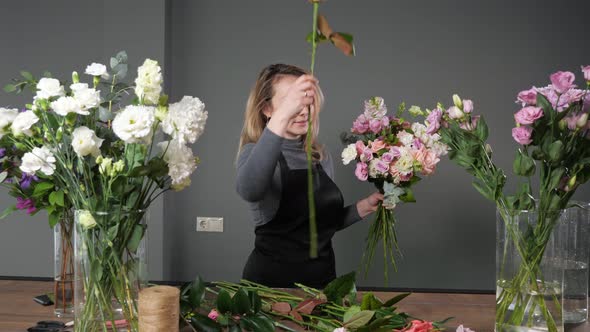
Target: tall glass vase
[575, 293]
[110, 268]
[63, 265]
[530, 255]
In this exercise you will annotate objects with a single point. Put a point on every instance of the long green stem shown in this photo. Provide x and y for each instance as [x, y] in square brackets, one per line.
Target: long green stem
[313, 234]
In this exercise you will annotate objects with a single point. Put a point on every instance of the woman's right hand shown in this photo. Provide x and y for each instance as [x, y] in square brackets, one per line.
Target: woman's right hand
[299, 95]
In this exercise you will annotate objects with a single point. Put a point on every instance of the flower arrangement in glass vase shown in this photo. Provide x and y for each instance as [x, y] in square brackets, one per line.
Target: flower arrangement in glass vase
[391, 153]
[553, 132]
[103, 156]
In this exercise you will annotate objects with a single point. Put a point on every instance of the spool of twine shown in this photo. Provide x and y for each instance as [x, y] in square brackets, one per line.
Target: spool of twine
[158, 309]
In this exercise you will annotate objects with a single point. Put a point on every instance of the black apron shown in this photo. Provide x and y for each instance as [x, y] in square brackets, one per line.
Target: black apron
[281, 252]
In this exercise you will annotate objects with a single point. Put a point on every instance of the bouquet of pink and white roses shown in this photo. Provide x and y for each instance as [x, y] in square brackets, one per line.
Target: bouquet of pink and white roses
[392, 153]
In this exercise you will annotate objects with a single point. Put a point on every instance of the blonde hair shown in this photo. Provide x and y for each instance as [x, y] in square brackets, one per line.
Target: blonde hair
[260, 98]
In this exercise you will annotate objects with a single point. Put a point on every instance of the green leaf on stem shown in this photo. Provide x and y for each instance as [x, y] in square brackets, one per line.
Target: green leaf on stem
[28, 76]
[204, 324]
[53, 219]
[224, 302]
[353, 310]
[556, 151]
[546, 106]
[338, 288]
[523, 164]
[241, 302]
[196, 292]
[9, 88]
[481, 130]
[359, 319]
[370, 302]
[408, 196]
[8, 211]
[135, 238]
[41, 188]
[394, 300]
[57, 198]
[483, 189]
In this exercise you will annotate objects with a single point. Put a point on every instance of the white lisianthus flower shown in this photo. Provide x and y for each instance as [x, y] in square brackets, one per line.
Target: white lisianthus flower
[415, 111]
[349, 154]
[97, 69]
[23, 122]
[118, 166]
[134, 124]
[85, 219]
[419, 129]
[405, 163]
[148, 84]
[373, 173]
[49, 87]
[65, 105]
[85, 142]
[405, 138]
[40, 159]
[439, 148]
[181, 163]
[185, 120]
[87, 98]
[7, 116]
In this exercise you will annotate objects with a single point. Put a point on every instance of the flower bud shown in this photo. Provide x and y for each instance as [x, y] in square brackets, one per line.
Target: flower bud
[457, 101]
[75, 77]
[582, 120]
[562, 124]
[572, 182]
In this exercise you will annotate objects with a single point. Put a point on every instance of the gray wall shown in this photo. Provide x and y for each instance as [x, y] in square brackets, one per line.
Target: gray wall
[61, 36]
[418, 52]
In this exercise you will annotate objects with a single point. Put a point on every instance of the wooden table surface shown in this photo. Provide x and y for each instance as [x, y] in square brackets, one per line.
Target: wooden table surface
[18, 311]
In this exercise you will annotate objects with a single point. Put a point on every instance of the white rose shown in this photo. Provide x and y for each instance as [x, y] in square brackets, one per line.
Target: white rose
[85, 142]
[405, 163]
[7, 116]
[23, 122]
[97, 69]
[181, 163]
[40, 159]
[185, 120]
[65, 105]
[148, 84]
[349, 154]
[49, 87]
[85, 219]
[134, 124]
[87, 98]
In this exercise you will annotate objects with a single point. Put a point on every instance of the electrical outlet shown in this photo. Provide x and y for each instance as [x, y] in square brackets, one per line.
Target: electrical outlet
[209, 224]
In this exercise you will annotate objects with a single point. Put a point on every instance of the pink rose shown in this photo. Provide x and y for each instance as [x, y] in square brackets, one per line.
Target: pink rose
[360, 147]
[360, 125]
[562, 81]
[527, 97]
[522, 135]
[467, 106]
[395, 151]
[213, 314]
[366, 155]
[586, 71]
[362, 171]
[388, 157]
[381, 166]
[429, 162]
[420, 326]
[377, 145]
[375, 125]
[434, 121]
[528, 115]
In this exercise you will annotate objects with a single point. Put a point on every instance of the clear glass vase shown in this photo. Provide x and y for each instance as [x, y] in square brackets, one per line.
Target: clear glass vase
[63, 266]
[110, 269]
[575, 293]
[530, 254]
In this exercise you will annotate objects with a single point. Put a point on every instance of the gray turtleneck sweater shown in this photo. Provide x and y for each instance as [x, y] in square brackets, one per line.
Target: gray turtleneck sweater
[259, 175]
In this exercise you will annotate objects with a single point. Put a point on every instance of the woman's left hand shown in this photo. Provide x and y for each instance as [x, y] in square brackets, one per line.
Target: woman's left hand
[369, 205]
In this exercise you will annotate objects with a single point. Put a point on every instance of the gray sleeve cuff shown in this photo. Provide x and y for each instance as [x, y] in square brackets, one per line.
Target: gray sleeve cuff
[350, 216]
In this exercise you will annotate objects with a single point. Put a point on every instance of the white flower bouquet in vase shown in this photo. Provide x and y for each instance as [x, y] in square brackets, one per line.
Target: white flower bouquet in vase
[106, 155]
